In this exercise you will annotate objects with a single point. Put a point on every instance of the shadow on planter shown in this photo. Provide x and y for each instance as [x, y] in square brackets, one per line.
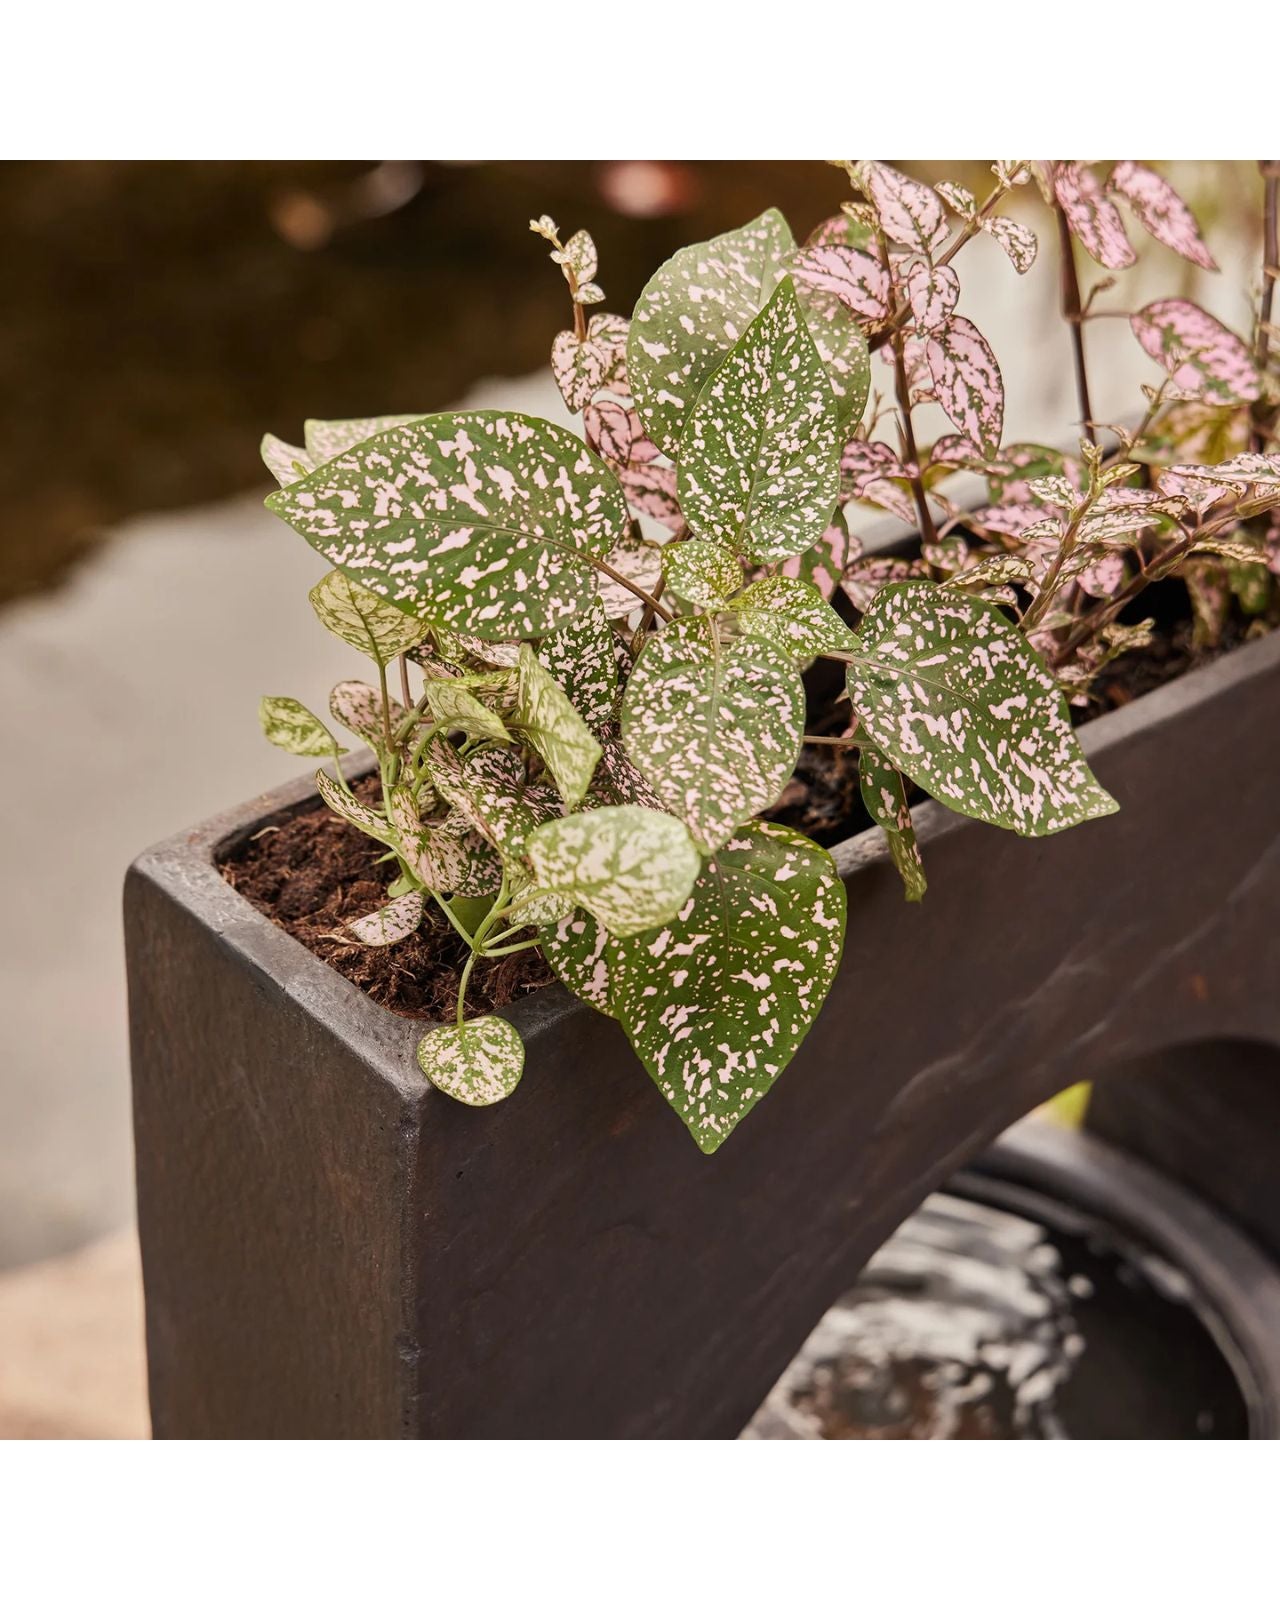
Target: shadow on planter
[331, 1248]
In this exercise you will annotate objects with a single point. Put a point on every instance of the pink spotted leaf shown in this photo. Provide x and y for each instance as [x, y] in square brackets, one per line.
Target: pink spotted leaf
[1091, 216]
[583, 369]
[1161, 211]
[967, 382]
[910, 213]
[1015, 239]
[933, 293]
[854, 277]
[1203, 356]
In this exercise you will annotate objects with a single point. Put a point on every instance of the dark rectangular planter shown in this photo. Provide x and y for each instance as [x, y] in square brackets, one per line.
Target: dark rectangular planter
[332, 1248]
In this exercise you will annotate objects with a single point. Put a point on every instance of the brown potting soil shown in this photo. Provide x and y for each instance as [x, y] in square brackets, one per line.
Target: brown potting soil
[312, 874]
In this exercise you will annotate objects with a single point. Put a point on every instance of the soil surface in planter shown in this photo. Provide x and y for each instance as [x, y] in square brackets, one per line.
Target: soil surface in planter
[312, 874]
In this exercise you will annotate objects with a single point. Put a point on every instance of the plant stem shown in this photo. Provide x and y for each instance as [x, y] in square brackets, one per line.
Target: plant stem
[510, 949]
[903, 390]
[1263, 418]
[388, 736]
[1070, 293]
[822, 738]
[404, 682]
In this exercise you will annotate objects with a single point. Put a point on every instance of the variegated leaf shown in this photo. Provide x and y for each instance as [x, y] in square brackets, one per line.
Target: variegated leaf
[453, 706]
[581, 255]
[950, 690]
[391, 923]
[992, 571]
[792, 615]
[289, 725]
[577, 950]
[759, 458]
[842, 347]
[968, 383]
[855, 278]
[1210, 594]
[583, 368]
[285, 462]
[533, 907]
[616, 781]
[824, 565]
[960, 199]
[714, 723]
[650, 488]
[484, 522]
[642, 564]
[554, 728]
[703, 573]
[1015, 239]
[617, 434]
[867, 576]
[374, 627]
[492, 790]
[932, 293]
[358, 707]
[582, 658]
[1091, 216]
[1204, 357]
[325, 440]
[1235, 550]
[692, 311]
[844, 228]
[717, 1002]
[870, 471]
[910, 212]
[1249, 470]
[884, 793]
[631, 868]
[1161, 211]
[345, 805]
[477, 1062]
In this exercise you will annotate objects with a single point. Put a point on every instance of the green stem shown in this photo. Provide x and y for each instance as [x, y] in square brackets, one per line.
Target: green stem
[510, 949]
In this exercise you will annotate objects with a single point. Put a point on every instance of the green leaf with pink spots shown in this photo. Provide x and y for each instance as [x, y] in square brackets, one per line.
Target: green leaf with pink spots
[954, 695]
[759, 464]
[478, 1062]
[717, 1001]
[487, 523]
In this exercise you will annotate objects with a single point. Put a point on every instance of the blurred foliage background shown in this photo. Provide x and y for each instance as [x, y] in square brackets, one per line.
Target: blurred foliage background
[158, 317]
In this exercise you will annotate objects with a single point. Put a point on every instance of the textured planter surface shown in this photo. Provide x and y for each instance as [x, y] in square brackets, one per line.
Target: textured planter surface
[331, 1248]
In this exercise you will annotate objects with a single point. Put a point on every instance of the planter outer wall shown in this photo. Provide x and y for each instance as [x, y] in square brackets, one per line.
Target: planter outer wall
[333, 1249]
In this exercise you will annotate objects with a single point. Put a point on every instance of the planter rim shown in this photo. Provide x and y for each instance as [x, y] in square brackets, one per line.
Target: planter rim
[187, 866]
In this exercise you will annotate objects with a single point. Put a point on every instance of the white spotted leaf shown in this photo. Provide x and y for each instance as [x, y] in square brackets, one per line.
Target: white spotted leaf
[374, 627]
[345, 805]
[703, 573]
[577, 949]
[641, 564]
[391, 923]
[884, 793]
[476, 1062]
[692, 311]
[948, 687]
[555, 728]
[358, 707]
[285, 462]
[288, 724]
[325, 440]
[453, 706]
[631, 868]
[582, 657]
[483, 522]
[718, 1000]
[759, 465]
[714, 723]
[792, 615]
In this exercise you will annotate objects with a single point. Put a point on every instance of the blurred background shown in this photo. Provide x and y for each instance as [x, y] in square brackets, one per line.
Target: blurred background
[157, 319]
